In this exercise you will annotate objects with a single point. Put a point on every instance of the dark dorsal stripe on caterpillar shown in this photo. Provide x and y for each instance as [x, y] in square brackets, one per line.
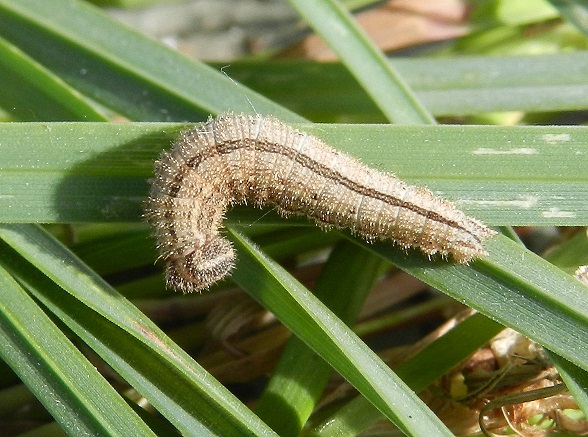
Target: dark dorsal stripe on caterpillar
[238, 158]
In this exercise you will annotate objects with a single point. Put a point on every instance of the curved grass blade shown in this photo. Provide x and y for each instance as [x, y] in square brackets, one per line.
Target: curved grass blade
[418, 372]
[364, 60]
[316, 325]
[514, 287]
[31, 93]
[209, 405]
[300, 377]
[141, 79]
[80, 399]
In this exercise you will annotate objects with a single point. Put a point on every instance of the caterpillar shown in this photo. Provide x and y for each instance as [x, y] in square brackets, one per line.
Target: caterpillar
[235, 159]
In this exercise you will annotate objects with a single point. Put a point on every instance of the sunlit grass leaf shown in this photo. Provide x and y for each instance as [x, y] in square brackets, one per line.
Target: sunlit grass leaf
[127, 340]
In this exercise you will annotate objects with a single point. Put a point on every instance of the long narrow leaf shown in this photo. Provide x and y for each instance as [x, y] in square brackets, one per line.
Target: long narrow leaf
[447, 87]
[418, 372]
[120, 68]
[516, 288]
[98, 172]
[67, 271]
[271, 285]
[364, 60]
[300, 377]
[30, 92]
[80, 399]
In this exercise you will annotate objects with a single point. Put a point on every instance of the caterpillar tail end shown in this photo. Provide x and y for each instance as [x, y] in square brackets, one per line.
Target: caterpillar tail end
[198, 269]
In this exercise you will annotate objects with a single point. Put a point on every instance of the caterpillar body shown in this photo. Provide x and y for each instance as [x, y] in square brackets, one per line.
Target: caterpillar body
[233, 159]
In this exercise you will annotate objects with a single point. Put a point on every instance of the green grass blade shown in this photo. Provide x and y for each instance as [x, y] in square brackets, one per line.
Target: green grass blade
[79, 398]
[571, 254]
[516, 288]
[446, 86]
[364, 60]
[300, 377]
[193, 412]
[575, 379]
[310, 320]
[463, 340]
[30, 92]
[76, 172]
[418, 372]
[141, 79]
[192, 384]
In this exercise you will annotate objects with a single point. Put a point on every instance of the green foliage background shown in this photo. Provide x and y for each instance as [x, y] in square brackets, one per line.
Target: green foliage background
[66, 69]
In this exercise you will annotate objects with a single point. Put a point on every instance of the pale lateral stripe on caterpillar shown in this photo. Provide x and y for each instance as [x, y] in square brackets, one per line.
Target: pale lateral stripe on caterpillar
[235, 158]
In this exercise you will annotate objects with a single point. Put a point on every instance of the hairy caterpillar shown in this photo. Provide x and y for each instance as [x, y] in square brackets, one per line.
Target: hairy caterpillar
[237, 158]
